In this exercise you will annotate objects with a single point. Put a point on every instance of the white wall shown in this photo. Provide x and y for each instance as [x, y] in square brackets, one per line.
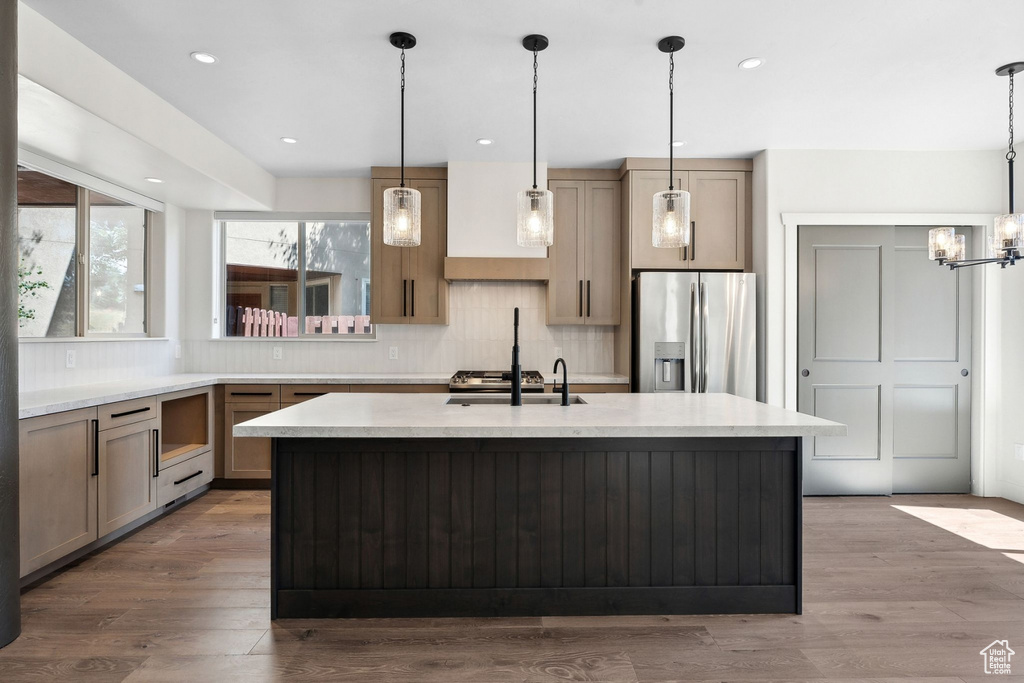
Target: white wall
[1007, 290]
[323, 194]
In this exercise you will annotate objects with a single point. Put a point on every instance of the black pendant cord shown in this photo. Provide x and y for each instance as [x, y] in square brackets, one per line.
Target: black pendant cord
[671, 115]
[1011, 154]
[402, 184]
[535, 118]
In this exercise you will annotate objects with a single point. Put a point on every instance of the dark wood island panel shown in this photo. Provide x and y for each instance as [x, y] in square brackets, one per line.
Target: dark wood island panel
[507, 527]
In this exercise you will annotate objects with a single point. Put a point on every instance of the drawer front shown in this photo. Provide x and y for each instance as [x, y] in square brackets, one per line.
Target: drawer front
[177, 480]
[252, 393]
[127, 412]
[297, 393]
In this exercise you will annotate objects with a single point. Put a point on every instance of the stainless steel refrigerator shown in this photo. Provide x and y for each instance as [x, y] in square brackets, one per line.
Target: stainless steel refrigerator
[695, 332]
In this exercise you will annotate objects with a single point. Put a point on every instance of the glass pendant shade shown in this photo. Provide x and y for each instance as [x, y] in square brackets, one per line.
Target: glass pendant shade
[940, 243]
[1009, 233]
[402, 217]
[671, 219]
[959, 251]
[535, 224]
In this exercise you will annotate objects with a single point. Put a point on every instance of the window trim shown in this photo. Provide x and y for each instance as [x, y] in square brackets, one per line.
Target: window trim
[222, 218]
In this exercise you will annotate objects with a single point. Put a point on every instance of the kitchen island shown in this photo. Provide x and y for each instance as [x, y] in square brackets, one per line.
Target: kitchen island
[409, 505]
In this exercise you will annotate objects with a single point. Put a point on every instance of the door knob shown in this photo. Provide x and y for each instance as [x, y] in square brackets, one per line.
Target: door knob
[805, 372]
[964, 373]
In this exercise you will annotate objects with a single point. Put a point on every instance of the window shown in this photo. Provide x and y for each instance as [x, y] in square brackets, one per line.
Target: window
[296, 278]
[58, 296]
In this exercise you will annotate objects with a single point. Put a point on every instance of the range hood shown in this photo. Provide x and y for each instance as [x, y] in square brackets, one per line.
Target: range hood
[482, 222]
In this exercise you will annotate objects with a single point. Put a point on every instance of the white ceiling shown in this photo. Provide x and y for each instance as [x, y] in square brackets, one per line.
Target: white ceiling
[841, 74]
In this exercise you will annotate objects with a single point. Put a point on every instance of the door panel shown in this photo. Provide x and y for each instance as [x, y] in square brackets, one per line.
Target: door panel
[719, 220]
[924, 332]
[884, 340]
[602, 252]
[643, 185]
[246, 457]
[428, 290]
[847, 302]
[932, 410]
[127, 487]
[859, 408]
[844, 282]
[389, 287]
[565, 257]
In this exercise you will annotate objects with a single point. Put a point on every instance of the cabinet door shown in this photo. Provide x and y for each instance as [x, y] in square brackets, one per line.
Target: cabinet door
[601, 252]
[428, 290]
[127, 474]
[389, 273]
[57, 459]
[643, 185]
[566, 254]
[248, 457]
[718, 214]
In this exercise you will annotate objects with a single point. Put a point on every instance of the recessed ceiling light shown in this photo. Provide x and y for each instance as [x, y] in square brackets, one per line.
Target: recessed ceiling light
[154, 180]
[485, 141]
[751, 63]
[290, 141]
[204, 57]
[678, 143]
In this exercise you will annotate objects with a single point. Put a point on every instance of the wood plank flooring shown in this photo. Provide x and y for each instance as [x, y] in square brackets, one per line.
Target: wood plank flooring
[887, 596]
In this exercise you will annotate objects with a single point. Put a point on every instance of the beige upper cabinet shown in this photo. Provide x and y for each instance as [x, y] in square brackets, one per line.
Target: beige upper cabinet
[407, 283]
[643, 185]
[58, 478]
[718, 212]
[719, 220]
[583, 284]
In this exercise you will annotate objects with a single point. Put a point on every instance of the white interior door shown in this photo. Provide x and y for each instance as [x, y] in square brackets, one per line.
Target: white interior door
[884, 347]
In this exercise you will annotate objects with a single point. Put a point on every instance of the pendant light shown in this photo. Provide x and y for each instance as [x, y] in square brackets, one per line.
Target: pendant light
[535, 225]
[671, 228]
[948, 248]
[402, 204]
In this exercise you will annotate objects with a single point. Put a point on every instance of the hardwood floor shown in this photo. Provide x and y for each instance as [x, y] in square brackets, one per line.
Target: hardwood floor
[887, 594]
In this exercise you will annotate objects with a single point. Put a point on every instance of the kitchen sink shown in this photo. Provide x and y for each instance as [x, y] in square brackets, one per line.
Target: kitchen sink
[504, 399]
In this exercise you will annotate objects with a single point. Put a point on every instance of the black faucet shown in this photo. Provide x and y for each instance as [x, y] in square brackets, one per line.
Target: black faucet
[517, 370]
[565, 380]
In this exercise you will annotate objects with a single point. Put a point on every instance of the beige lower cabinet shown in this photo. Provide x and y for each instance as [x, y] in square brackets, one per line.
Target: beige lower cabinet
[246, 458]
[184, 477]
[58, 485]
[128, 470]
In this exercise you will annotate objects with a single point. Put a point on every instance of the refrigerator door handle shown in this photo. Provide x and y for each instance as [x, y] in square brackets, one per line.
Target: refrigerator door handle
[703, 340]
[694, 382]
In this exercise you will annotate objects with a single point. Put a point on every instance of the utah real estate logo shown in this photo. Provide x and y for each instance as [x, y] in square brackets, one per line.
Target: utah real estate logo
[997, 657]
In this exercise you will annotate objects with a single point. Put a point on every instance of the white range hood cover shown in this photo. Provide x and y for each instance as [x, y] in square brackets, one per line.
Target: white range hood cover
[482, 208]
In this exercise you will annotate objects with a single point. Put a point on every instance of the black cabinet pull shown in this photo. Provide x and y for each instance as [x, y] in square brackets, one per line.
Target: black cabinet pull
[95, 448]
[130, 412]
[309, 393]
[191, 476]
[581, 299]
[588, 298]
[693, 239]
[156, 453]
[412, 296]
[252, 393]
[405, 300]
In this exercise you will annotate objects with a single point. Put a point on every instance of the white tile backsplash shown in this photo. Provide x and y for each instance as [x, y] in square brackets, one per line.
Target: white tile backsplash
[41, 365]
[478, 336]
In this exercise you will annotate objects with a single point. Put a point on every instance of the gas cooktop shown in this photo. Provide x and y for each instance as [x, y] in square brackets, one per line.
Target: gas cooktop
[494, 380]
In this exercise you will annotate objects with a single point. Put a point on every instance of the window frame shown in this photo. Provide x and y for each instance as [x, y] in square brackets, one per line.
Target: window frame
[82, 250]
[222, 218]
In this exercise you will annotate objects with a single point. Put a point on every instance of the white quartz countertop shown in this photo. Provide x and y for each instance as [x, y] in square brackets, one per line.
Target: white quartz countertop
[45, 402]
[603, 415]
